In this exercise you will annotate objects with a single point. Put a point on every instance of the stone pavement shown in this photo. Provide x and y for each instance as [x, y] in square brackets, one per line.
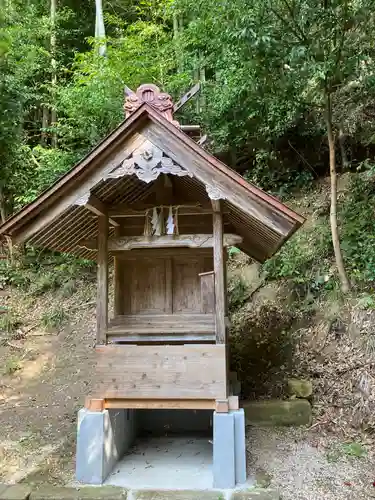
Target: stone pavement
[25, 492]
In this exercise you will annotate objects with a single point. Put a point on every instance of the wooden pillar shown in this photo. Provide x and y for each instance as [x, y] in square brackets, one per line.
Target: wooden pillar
[219, 263]
[226, 282]
[117, 282]
[102, 285]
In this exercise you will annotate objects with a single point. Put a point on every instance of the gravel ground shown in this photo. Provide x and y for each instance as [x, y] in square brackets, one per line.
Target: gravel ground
[306, 465]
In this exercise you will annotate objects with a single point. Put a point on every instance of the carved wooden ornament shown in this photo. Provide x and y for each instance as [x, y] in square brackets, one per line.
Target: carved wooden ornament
[165, 241]
[214, 192]
[147, 163]
[83, 199]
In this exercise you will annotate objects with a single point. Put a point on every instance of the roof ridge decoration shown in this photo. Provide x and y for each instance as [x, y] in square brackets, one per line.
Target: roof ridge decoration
[152, 95]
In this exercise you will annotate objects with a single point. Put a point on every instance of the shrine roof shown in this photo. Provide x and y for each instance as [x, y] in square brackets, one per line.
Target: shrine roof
[60, 218]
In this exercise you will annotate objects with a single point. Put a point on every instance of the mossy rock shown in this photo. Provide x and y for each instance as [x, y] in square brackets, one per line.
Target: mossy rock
[277, 412]
[300, 388]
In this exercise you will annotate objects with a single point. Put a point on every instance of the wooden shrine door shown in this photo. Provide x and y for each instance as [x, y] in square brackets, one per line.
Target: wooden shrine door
[165, 281]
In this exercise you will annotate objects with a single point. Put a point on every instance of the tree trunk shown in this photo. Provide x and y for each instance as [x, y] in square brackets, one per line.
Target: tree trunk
[54, 69]
[176, 34]
[100, 28]
[202, 78]
[3, 218]
[344, 158]
[345, 285]
[45, 117]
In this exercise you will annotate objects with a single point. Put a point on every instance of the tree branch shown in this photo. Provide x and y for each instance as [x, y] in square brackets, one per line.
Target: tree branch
[289, 26]
[296, 24]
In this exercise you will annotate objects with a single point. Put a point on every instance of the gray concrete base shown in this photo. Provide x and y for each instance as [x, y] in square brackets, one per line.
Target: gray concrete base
[102, 439]
[229, 449]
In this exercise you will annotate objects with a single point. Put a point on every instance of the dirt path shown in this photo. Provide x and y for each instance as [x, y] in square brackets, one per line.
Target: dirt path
[40, 400]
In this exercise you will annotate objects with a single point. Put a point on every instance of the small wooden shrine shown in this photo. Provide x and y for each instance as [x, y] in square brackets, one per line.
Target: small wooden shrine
[152, 201]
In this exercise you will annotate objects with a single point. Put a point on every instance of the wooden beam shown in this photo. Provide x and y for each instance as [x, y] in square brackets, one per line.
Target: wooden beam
[219, 264]
[222, 406]
[202, 140]
[123, 243]
[190, 128]
[140, 210]
[97, 207]
[172, 404]
[168, 285]
[207, 282]
[164, 190]
[117, 281]
[185, 98]
[233, 403]
[93, 404]
[151, 253]
[102, 285]
[192, 371]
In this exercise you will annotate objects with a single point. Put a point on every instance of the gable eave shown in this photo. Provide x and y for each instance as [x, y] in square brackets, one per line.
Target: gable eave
[143, 119]
[252, 189]
[81, 169]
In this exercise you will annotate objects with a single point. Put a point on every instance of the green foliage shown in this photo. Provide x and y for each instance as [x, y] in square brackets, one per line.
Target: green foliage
[68, 288]
[366, 301]
[38, 272]
[305, 259]
[267, 69]
[9, 323]
[233, 251]
[358, 225]
[238, 293]
[350, 449]
[270, 173]
[12, 364]
[354, 449]
[44, 282]
[262, 349]
[53, 319]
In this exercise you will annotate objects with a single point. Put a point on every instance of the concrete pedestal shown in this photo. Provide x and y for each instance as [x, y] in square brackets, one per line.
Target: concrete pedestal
[102, 439]
[229, 450]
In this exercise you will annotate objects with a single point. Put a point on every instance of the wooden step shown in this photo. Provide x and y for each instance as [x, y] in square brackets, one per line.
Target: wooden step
[162, 328]
[161, 339]
[165, 319]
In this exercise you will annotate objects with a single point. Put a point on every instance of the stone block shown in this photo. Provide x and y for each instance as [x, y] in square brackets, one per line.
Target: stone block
[256, 494]
[277, 412]
[84, 493]
[223, 466]
[239, 446]
[15, 492]
[102, 439]
[177, 495]
[300, 388]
